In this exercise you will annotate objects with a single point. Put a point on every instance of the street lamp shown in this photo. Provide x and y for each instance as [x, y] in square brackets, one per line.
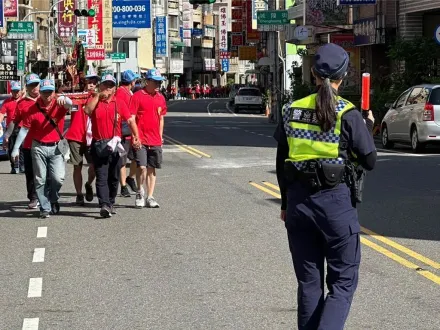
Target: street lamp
[118, 65]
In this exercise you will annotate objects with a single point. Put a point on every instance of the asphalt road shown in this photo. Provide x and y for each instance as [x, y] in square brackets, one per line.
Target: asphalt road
[215, 255]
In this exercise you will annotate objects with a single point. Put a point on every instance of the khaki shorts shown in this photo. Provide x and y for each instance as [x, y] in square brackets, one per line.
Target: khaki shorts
[78, 151]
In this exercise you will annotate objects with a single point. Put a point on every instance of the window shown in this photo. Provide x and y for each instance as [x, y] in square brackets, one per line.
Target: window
[418, 96]
[434, 98]
[401, 100]
[173, 22]
[125, 46]
[249, 92]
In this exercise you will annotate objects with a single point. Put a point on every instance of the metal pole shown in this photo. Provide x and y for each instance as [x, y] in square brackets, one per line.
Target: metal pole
[117, 51]
[50, 35]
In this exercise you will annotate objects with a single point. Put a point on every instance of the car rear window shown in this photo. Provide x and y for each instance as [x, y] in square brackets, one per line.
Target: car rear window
[434, 98]
[249, 92]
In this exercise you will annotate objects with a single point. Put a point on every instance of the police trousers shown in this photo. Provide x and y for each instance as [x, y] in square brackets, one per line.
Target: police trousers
[323, 226]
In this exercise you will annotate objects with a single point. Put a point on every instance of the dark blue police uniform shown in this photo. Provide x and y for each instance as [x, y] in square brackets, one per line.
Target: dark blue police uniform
[324, 225]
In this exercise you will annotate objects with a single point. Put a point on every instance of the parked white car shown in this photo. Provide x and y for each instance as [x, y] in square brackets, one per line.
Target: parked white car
[413, 118]
[249, 98]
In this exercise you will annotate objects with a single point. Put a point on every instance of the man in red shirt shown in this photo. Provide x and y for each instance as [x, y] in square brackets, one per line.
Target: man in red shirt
[124, 93]
[45, 124]
[107, 113]
[149, 107]
[79, 145]
[22, 111]
[8, 109]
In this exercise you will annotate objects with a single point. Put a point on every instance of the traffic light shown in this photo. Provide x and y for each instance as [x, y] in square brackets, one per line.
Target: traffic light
[85, 12]
[202, 2]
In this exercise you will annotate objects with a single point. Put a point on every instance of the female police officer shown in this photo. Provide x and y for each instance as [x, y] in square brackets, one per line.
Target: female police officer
[318, 136]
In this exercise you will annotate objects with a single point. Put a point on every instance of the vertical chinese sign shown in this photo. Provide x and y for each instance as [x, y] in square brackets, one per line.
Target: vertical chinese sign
[10, 9]
[66, 20]
[95, 23]
[252, 36]
[161, 36]
[107, 25]
[223, 35]
[236, 26]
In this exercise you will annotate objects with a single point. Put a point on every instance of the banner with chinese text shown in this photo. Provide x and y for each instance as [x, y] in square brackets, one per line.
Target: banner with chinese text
[252, 36]
[223, 31]
[107, 25]
[66, 20]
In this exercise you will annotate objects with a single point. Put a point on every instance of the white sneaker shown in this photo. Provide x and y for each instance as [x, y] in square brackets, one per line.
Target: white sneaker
[140, 199]
[151, 203]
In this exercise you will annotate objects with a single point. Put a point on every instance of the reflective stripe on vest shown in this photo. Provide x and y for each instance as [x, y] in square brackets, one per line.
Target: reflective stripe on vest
[306, 139]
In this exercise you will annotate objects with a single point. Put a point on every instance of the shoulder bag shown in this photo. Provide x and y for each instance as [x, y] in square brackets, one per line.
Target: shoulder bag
[63, 144]
[101, 148]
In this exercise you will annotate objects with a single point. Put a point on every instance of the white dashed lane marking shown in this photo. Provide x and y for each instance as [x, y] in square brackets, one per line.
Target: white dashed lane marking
[42, 232]
[31, 324]
[35, 287]
[39, 255]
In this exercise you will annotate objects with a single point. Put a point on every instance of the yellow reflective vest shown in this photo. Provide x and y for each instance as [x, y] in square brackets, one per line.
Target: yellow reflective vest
[305, 138]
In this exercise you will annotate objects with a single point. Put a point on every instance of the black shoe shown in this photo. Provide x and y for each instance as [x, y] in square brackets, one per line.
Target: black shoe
[125, 192]
[55, 208]
[105, 212]
[132, 184]
[89, 192]
[79, 200]
[44, 215]
[13, 171]
[112, 210]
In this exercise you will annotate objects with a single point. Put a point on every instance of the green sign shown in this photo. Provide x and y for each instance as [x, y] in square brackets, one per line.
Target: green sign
[272, 17]
[21, 58]
[118, 57]
[21, 30]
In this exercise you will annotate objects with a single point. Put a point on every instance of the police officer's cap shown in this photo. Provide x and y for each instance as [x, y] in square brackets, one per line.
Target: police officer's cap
[331, 61]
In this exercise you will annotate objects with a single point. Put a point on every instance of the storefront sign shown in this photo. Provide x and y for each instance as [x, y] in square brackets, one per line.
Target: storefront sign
[161, 36]
[95, 54]
[107, 25]
[225, 65]
[132, 14]
[95, 23]
[66, 20]
[356, 2]
[365, 31]
[10, 9]
[8, 72]
[223, 31]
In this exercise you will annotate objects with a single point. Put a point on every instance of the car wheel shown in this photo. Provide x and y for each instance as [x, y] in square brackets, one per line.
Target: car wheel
[416, 145]
[236, 109]
[386, 143]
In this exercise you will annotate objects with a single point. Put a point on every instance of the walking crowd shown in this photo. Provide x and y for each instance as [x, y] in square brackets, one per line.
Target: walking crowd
[114, 125]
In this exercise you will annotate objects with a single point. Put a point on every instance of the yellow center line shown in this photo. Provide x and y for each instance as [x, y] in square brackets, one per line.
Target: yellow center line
[429, 275]
[402, 248]
[400, 260]
[270, 192]
[271, 185]
[183, 148]
[188, 147]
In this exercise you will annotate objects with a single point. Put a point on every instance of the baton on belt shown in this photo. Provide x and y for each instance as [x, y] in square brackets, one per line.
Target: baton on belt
[365, 95]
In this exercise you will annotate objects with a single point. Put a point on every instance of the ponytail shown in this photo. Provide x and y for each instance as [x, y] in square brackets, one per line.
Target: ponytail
[326, 105]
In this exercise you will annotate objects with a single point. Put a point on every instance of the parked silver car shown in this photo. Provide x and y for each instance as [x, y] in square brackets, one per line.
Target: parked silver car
[413, 118]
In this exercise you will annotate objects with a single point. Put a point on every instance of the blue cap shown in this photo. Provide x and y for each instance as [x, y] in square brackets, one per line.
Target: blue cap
[15, 86]
[154, 74]
[129, 76]
[47, 85]
[331, 61]
[108, 77]
[32, 79]
[92, 74]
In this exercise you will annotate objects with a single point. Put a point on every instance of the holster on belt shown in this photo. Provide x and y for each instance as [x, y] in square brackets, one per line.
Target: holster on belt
[315, 174]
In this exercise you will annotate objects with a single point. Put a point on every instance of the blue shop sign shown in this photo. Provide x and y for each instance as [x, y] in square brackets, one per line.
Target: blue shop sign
[225, 65]
[161, 32]
[131, 14]
[197, 32]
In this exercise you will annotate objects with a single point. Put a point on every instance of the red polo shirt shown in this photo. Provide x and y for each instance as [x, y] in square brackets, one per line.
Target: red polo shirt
[123, 94]
[8, 109]
[148, 110]
[103, 118]
[78, 125]
[21, 113]
[40, 128]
